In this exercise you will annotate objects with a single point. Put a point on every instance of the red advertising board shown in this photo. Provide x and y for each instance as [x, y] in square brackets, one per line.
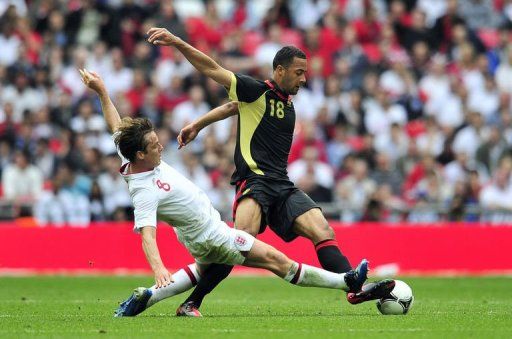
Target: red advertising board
[401, 248]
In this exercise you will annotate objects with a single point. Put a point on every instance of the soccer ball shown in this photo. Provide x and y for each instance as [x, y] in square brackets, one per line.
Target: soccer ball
[399, 301]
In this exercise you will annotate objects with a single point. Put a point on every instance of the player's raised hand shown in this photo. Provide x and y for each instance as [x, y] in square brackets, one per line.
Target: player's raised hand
[161, 37]
[92, 80]
[163, 277]
[187, 134]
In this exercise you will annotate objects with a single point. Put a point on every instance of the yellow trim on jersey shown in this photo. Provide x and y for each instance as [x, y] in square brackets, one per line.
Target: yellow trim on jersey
[232, 89]
[250, 117]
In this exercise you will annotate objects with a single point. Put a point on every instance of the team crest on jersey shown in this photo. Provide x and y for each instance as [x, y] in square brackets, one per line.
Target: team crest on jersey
[240, 241]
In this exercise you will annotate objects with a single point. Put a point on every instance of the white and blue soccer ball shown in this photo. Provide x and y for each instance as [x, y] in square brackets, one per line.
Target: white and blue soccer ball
[399, 301]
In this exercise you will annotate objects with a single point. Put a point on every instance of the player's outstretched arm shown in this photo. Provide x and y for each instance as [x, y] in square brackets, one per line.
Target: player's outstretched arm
[190, 132]
[202, 62]
[162, 276]
[110, 113]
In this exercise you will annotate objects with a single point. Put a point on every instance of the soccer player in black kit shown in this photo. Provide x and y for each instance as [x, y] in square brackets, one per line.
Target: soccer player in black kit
[264, 193]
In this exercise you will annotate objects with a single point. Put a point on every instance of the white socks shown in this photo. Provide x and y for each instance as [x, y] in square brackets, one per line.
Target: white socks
[309, 276]
[184, 279]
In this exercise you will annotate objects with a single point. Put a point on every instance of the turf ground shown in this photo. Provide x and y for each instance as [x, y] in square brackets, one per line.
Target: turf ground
[247, 307]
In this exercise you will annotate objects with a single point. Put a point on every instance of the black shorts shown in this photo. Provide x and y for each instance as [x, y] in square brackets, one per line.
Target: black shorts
[281, 203]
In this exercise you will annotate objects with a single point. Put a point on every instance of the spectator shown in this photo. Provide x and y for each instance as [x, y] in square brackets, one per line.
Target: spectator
[385, 174]
[98, 212]
[459, 168]
[113, 188]
[353, 191]
[418, 31]
[479, 13]
[338, 147]
[430, 196]
[87, 119]
[70, 79]
[382, 113]
[368, 27]
[443, 27]
[383, 206]
[170, 69]
[315, 176]
[504, 72]
[308, 136]
[5, 155]
[10, 44]
[433, 10]
[22, 182]
[73, 195]
[49, 210]
[23, 97]
[464, 203]
[307, 13]
[493, 150]
[468, 139]
[120, 78]
[486, 101]
[353, 54]
[99, 61]
[394, 145]
[278, 14]
[168, 18]
[45, 159]
[8, 127]
[191, 168]
[496, 198]
[264, 54]
[432, 140]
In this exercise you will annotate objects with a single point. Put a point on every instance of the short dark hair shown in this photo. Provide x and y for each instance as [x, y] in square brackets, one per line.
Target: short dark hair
[130, 137]
[285, 55]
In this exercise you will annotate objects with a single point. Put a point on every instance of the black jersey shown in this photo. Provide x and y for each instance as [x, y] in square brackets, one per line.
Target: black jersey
[265, 128]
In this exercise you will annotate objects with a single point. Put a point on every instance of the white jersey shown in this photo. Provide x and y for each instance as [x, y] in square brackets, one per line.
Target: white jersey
[164, 194]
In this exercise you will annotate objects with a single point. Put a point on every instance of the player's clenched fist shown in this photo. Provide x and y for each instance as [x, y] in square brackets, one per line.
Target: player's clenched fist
[92, 80]
[161, 36]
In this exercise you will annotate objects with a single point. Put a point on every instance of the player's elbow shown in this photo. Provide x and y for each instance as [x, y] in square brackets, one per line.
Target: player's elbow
[232, 107]
[220, 75]
[148, 233]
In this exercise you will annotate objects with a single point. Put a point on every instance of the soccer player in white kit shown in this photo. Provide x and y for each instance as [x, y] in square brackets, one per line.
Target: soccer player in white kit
[159, 192]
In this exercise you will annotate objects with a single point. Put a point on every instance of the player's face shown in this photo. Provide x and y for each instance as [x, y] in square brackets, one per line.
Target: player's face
[295, 76]
[153, 151]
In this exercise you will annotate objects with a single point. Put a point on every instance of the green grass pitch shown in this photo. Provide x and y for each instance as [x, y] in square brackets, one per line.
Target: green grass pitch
[253, 307]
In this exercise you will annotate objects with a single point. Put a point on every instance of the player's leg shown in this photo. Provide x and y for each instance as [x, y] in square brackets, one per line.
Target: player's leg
[313, 225]
[184, 279]
[142, 297]
[247, 218]
[262, 255]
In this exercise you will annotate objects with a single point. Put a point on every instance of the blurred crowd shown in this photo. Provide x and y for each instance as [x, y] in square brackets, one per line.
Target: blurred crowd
[406, 115]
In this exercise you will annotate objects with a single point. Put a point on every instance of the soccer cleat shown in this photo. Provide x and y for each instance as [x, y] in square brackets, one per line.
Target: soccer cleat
[188, 309]
[372, 291]
[135, 304]
[355, 278]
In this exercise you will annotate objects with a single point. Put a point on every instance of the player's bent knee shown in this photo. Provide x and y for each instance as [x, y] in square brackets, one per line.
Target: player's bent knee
[321, 232]
[328, 233]
[248, 228]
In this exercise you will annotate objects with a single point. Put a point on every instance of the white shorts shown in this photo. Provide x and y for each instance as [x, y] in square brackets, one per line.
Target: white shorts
[222, 245]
